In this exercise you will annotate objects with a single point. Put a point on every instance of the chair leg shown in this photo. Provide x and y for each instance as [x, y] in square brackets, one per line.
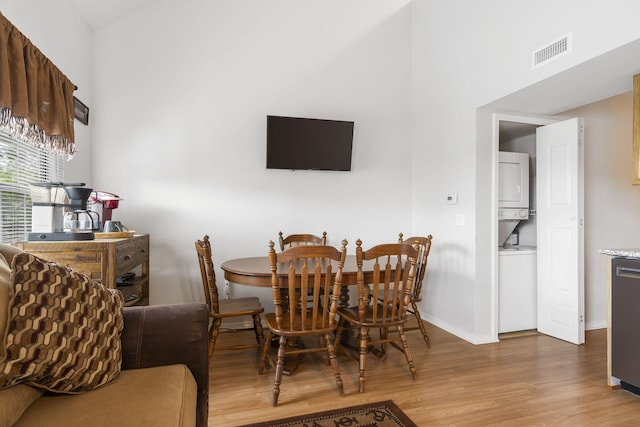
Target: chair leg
[338, 332]
[279, 369]
[324, 343]
[333, 360]
[421, 325]
[407, 353]
[384, 334]
[257, 328]
[264, 361]
[364, 338]
[213, 335]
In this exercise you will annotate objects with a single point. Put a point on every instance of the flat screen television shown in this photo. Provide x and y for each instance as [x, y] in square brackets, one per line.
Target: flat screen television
[309, 144]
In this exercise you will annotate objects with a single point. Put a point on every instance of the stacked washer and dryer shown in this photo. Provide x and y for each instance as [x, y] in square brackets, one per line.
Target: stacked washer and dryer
[517, 277]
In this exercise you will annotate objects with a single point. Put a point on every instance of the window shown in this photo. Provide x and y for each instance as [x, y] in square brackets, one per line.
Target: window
[21, 163]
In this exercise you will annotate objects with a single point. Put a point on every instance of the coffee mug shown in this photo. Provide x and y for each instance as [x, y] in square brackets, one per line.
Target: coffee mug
[114, 227]
[72, 224]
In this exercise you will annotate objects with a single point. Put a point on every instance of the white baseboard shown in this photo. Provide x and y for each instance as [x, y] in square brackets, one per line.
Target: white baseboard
[460, 333]
[589, 326]
[473, 339]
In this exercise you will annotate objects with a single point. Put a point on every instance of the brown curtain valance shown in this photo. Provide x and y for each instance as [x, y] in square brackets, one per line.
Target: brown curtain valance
[36, 98]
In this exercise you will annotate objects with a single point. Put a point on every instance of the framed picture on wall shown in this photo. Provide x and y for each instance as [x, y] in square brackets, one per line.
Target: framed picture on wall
[636, 129]
[80, 111]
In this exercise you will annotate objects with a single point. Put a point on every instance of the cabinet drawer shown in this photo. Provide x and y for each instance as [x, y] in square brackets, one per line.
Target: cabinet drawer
[101, 259]
[86, 262]
[131, 254]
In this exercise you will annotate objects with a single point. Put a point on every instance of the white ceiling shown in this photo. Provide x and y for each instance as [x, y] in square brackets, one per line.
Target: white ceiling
[99, 13]
[599, 78]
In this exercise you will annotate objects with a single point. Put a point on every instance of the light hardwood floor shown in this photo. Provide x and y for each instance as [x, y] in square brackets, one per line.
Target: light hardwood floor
[523, 381]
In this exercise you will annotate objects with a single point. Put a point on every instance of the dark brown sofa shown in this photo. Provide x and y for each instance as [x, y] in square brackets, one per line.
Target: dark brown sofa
[168, 335]
[163, 381]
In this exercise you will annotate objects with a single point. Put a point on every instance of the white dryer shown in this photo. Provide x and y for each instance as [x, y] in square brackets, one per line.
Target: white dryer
[513, 192]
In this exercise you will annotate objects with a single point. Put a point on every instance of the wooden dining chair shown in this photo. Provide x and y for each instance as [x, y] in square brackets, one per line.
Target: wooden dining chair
[221, 309]
[424, 246]
[309, 272]
[383, 300]
[301, 239]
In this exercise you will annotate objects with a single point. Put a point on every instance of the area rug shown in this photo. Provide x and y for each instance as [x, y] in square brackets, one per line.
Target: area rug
[378, 414]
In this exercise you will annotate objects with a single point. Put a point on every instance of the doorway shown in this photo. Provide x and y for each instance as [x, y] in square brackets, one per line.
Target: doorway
[517, 240]
[546, 293]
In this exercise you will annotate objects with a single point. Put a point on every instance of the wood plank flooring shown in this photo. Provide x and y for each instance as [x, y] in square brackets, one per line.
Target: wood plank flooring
[521, 381]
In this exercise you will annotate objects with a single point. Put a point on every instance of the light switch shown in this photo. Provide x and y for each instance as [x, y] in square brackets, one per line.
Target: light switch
[452, 199]
[460, 220]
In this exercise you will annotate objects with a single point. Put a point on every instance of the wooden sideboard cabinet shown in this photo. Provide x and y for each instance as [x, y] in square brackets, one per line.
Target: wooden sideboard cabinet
[104, 260]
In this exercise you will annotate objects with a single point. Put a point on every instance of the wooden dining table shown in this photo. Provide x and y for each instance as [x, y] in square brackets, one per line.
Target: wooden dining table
[256, 271]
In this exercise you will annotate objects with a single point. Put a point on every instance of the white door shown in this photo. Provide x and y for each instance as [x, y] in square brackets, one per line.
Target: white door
[560, 230]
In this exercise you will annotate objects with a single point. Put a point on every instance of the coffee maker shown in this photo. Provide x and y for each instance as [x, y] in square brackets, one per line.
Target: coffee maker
[103, 204]
[59, 212]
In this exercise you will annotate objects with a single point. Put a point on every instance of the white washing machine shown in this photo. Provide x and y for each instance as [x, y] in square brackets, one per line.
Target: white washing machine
[517, 288]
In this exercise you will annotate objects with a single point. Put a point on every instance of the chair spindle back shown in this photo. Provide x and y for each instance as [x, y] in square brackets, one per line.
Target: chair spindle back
[391, 291]
[310, 299]
[207, 272]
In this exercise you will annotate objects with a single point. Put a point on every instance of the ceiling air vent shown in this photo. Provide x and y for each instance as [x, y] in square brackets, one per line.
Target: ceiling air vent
[554, 50]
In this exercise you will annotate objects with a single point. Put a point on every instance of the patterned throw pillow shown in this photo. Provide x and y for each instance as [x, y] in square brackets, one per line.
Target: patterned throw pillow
[63, 332]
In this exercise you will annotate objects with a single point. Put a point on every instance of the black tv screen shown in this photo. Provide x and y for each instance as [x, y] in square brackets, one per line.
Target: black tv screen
[309, 144]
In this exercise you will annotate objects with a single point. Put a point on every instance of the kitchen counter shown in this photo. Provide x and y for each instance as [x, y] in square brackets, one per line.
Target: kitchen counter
[629, 253]
[612, 381]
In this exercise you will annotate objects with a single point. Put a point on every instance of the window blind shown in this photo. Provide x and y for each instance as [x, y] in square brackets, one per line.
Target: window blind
[21, 164]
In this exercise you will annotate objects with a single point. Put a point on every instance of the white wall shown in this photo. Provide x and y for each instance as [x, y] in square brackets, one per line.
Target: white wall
[54, 27]
[467, 54]
[178, 122]
[182, 94]
[612, 203]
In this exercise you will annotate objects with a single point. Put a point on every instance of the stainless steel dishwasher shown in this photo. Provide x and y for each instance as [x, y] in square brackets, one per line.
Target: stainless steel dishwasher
[625, 322]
